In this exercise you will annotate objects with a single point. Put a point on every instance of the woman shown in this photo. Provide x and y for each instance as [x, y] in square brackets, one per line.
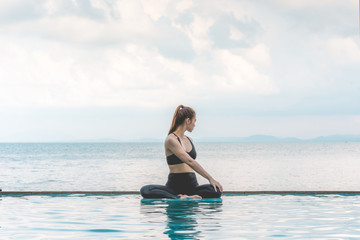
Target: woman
[180, 155]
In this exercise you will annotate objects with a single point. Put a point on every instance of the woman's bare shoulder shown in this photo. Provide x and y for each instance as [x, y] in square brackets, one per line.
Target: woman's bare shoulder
[170, 140]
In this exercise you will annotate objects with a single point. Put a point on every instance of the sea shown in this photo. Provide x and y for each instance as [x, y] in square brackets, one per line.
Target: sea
[285, 166]
[128, 166]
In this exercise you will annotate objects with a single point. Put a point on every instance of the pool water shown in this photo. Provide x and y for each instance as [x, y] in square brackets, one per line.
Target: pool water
[127, 217]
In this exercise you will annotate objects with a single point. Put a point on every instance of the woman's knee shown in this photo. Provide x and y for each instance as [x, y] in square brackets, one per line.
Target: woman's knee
[217, 193]
[213, 193]
[145, 190]
[208, 191]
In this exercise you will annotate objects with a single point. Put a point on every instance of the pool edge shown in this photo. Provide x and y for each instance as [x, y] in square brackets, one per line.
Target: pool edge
[28, 193]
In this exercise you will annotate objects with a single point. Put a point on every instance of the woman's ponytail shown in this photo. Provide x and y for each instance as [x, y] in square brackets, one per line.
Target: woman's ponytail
[181, 113]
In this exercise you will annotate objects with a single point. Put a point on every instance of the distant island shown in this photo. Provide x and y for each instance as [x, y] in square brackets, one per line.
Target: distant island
[269, 138]
[253, 138]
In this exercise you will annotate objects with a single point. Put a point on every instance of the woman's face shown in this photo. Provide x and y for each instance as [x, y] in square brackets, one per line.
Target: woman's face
[191, 124]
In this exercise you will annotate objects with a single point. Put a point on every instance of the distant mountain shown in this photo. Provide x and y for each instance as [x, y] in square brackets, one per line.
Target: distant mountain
[253, 138]
[269, 138]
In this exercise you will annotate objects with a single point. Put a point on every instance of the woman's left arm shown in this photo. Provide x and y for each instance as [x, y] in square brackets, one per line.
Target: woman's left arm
[200, 170]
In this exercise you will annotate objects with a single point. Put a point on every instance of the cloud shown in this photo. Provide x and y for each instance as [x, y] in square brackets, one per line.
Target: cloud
[130, 76]
[312, 4]
[122, 53]
[115, 25]
[197, 31]
[344, 51]
[172, 42]
[155, 8]
[241, 76]
[223, 30]
[259, 55]
[17, 11]
[184, 5]
[72, 77]
[235, 34]
[138, 53]
[260, 59]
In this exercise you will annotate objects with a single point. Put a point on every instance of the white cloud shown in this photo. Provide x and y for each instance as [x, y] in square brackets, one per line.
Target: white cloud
[344, 50]
[64, 75]
[184, 5]
[258, 55]
[198, 33]
[70, 58]
[74, 77]
[288, 56]
[235, 34]
[155, 8]
[310, 3]
[51, 6]
[132, 24]
[64, 62]
[240, 75]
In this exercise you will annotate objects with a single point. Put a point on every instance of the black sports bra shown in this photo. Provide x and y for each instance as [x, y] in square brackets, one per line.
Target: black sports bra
[173, 159]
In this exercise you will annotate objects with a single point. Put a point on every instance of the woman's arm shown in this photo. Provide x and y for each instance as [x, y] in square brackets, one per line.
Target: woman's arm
[175, 147]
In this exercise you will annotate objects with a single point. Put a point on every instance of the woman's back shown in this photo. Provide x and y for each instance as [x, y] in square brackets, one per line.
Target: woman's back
[176, 165]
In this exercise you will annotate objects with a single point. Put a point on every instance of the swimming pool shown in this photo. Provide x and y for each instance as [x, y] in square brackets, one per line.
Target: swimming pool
[238, 216]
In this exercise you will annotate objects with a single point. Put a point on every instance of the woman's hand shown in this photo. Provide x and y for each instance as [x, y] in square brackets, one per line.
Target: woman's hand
[216, 185]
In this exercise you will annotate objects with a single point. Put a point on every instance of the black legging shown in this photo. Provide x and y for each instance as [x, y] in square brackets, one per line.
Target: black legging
[180, 183]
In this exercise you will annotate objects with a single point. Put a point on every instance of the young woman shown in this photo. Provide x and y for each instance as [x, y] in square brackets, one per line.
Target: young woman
[180, 155]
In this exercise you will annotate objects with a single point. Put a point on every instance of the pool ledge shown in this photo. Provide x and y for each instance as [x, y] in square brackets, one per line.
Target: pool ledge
[229, 193]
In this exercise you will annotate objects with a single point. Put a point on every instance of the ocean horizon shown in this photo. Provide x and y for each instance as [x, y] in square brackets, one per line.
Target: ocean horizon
[258, 138]
[274, 166]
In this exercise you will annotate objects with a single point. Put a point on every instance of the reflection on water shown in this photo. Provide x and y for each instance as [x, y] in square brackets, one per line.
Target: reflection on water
[260, 216]
[184, 219]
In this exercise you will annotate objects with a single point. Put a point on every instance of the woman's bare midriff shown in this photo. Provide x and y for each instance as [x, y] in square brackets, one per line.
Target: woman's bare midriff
[180, 168]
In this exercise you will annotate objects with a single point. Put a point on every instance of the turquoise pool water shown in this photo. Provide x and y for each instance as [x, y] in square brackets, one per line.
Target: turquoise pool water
[127, 217]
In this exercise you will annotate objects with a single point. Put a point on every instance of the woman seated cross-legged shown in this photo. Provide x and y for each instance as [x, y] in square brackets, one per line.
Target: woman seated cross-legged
[180, 155]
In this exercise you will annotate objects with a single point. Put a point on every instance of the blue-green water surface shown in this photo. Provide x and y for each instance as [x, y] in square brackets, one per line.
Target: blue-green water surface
[127, 217]
[128, 166]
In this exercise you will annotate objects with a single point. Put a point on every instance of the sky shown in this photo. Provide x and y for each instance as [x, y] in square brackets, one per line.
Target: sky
[76, 70]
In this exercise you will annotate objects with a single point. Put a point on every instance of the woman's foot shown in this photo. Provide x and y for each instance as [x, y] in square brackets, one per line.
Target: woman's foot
[183, 196]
